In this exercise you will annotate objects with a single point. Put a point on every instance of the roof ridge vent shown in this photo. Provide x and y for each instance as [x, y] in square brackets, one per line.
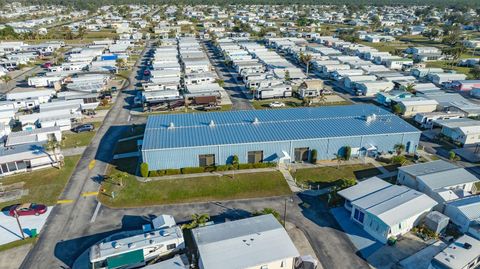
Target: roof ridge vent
[171, 125]
[256, 121]
[211, 124]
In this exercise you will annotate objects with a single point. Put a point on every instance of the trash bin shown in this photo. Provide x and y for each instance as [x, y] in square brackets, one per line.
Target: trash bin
[33, 233]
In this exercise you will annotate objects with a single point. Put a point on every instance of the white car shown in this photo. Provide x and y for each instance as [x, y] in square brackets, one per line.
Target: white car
[277, 104]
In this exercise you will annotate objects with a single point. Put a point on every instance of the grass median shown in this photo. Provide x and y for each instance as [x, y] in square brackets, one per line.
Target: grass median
[331, 175]
[199, 189]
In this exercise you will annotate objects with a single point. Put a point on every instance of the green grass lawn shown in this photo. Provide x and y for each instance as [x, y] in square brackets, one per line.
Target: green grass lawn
[199, 189]
[45, 185]
[18, 243]
[448, 66]
[71, 140]
[331, 175]
[101, 34]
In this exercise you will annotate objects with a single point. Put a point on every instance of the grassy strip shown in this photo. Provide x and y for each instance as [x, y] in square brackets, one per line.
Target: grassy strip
[45, 185]
[200, 189]
[331, 175]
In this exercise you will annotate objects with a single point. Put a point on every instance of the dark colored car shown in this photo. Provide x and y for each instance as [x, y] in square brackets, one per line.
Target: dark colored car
[28, 209]
[83, 128]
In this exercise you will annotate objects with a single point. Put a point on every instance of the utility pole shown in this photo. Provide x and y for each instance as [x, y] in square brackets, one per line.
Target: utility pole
[19, 225]
[285, 214]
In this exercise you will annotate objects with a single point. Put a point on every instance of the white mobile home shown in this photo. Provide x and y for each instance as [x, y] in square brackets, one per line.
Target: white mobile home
[370, 88]
[385, 210]
[411, 106]
[224, 245]
[464, 214]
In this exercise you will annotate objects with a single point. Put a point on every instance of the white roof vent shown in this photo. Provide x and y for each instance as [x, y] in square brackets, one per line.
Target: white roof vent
[256, 121]
[116, 245]
[211, 124]
[171, 125]
[371, 118]
[131, 245]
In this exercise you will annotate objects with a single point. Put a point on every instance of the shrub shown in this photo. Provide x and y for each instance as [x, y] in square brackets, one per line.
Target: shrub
[245, 166]
[209, 169]
[172, 171]
[399, 159]
[235, 160]
[156, 173]
[222, 167]
[347, 153]
[144, 169]
[192, 170]
[313, 158]
[232, 167]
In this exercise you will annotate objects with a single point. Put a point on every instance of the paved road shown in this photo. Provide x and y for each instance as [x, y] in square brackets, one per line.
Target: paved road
[19, 79]
[331, 246]
[234, 88]
[73, 220]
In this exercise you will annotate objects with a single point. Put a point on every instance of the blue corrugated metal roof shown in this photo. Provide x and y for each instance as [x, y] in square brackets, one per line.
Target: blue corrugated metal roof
[237, 127]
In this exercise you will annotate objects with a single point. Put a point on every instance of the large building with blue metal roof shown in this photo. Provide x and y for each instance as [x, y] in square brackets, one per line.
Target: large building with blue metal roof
[282, 135]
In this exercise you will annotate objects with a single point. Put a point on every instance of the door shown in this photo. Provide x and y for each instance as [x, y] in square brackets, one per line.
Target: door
[255, 156]
[301, 154]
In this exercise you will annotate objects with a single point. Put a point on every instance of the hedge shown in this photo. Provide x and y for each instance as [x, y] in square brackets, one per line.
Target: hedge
[222, 168]
[172, 172]
[192, 170]
[157, 173]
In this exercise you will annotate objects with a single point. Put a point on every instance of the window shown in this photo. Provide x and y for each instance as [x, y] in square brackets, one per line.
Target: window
[12, 166]
[4, 167]
[206, 160]
[358, 215]
[255, 156]
[264, 267]
[171, 246]
[21, 165]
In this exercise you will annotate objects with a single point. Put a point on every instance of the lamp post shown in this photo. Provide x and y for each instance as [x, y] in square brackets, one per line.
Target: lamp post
[18, 222]
[289, 199]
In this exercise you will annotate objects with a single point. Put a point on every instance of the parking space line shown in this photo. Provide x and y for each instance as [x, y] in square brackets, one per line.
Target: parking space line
[95, 213]
[64, 201]
[91, 193]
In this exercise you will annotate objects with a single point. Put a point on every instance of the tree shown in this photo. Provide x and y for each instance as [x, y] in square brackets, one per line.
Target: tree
[6, 78]
[397, 109]
[287, 75]
[235, 161]
[410, 87]
[53, 145]
[339, 159]
[267, 211]
[306, 60]
[313, 156]
[399, 148]
[347, 153]
[475, 72]
[144, 169]
[197, 220]
[399, 159]
[121, 63]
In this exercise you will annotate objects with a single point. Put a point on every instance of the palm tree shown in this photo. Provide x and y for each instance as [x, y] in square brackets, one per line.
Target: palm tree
[322, 98]
[197, 220]
[399, 148]
[305, 59]
[53, 145]
[410, 87]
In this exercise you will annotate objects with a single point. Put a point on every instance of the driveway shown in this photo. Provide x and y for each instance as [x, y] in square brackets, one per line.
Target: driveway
[235, 89]
[9, 230]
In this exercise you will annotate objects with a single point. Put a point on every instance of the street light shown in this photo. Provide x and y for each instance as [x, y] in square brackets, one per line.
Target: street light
[18, 222]
[289, 199]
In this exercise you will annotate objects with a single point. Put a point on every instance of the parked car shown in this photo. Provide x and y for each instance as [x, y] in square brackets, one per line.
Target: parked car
[146, 72]
[47, 65]
[277, 104]
[83, 128]
[28, 209]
